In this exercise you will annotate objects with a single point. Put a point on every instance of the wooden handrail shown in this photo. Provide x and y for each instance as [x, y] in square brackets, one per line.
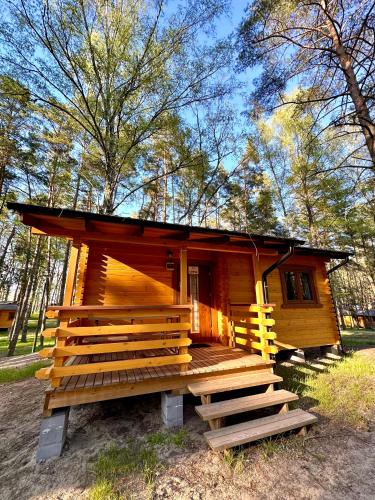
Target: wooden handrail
[242, 323]
[76, 340]
[118, 308]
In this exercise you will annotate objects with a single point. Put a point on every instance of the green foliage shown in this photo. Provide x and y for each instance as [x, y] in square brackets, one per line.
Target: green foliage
[343, 392]
[352, 338]
[346, 392]
[177, 438]
[235, 459]
[16, 374]
[24, 347]
[115, 71]
[138, 458]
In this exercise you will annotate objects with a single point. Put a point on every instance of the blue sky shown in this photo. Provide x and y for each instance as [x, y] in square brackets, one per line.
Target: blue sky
[226, 26]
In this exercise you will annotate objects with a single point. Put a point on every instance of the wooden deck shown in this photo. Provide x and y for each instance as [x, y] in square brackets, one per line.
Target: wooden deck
[208, 360]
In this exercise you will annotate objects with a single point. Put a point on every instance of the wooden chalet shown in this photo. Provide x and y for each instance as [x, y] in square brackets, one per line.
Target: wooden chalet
[7, 314]
[156, 307]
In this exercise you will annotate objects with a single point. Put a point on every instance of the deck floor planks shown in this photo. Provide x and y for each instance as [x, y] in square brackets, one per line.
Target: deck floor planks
[214, 358]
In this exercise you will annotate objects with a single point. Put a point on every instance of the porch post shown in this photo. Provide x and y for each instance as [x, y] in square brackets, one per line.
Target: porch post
[183, 276]
[258, 280]
[68, 297]
[259, 294]
[183, 300]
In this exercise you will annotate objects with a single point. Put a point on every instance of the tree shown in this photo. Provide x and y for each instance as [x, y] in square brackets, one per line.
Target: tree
[325, 45]
[250, 206]
[116, 69]
[14, 121]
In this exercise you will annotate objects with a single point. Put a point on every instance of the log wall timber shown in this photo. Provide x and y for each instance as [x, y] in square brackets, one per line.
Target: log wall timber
[125, 275]
[6, 318]
[241, 280]
[302, 327]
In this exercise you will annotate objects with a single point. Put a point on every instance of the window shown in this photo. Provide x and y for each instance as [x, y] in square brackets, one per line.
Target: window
[298, 285]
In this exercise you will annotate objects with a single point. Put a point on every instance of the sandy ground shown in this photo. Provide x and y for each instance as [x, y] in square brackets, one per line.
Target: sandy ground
[333, 463]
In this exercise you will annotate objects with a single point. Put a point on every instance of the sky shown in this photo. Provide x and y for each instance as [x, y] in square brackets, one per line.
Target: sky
[226, 26]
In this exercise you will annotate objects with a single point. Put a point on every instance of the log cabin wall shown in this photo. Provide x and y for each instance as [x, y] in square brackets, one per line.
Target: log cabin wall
[6, 319]
[303, 326]
[127, 275]
[134, 274]
[241, 285]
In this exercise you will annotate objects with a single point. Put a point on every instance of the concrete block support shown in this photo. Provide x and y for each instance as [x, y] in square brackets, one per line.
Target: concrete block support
[332, 349]
[52, 435]
[172, 410]
[298, 356]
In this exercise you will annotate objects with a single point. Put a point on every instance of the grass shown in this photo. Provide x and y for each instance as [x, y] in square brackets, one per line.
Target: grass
[115, 467]
[17, 374]
[236, 459]
[357, 337]
[25, 347]
[344, 392]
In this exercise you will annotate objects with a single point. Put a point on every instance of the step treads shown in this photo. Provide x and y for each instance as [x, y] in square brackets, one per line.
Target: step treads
[232, 383]
[246, 432]
[247, 403]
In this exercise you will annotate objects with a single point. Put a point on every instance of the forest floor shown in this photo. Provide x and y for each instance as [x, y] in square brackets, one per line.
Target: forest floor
[118, 449]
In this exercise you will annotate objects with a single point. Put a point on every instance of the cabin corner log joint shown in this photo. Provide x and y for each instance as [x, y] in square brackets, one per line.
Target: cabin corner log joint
[154, 307]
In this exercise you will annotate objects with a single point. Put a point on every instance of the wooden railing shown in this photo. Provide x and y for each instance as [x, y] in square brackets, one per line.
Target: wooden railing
[107, 330]
[250, 328]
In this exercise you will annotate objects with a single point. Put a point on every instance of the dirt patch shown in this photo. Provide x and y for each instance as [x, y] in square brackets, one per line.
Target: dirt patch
[332, 463]
[368, 352]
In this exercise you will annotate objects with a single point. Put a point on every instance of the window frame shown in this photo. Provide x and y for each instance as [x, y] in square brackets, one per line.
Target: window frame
[299, 302]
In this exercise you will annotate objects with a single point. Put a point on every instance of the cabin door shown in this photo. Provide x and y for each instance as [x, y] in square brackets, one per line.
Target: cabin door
[199, 291]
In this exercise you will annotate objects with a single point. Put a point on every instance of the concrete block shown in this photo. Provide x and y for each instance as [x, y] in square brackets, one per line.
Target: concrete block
[172, 410]
[298, 356]
[52, 435]
[336, 350]
[49, 451]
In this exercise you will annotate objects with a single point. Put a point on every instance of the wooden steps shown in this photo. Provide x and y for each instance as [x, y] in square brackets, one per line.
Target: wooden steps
[232, 383]
[247, 432]
[248, 403]
[221, 437]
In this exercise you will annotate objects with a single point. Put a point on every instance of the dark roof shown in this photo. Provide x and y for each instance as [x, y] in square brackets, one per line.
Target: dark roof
[8, 306]
[281, 242]
[324, 252]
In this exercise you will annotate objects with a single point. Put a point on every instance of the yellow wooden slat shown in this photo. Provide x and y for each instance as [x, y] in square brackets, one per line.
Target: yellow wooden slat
[243, 310]
[109, 366]
[269, 349]
[49, 332]
[253, 321]
[114, 347]
[272, 349]
[87, 331]
[120, 314]
[256, 333]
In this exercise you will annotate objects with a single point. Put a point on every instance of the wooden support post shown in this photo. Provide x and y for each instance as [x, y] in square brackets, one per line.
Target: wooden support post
[68, 298]
[284, 408]
[183, 300]
[216, 423]
[206, 399]
[260, 300]
[303, 431]
[183, 276]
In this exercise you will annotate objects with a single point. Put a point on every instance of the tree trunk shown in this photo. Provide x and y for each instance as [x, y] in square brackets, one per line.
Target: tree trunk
[25, 291]
[360, 105]
[6, 246]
